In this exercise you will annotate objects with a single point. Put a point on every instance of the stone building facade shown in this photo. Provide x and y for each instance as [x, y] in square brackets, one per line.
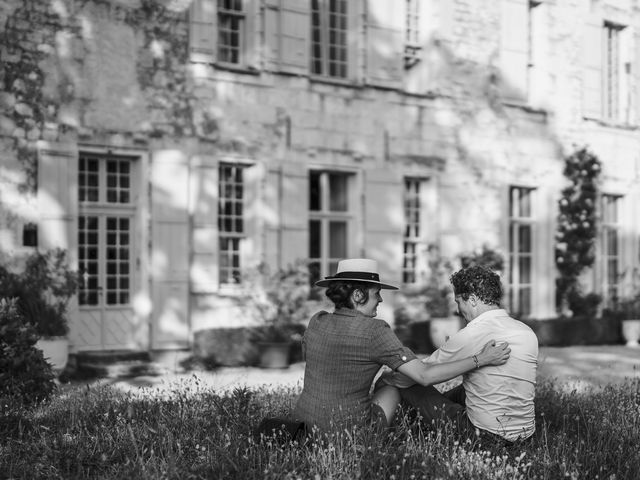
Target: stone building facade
[170, 145]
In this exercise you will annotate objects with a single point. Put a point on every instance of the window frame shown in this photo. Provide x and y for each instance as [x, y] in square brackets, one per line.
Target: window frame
[515, 221]
[231, 14]
[324, 215]
[103, 210]
[612, 225]
[412, 47]
[234, 235]
[415, 198]
[325, 59]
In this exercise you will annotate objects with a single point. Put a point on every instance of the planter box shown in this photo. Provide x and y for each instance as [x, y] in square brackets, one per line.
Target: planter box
[55, 350]
[631, 332]
[441, 329]
[274, 354]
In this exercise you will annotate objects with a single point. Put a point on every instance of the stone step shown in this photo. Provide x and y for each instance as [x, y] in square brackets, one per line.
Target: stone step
[122, 369]
[116, 364]
[112, 356]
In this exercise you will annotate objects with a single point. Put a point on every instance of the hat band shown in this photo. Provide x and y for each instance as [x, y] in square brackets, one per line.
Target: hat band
[367, 276]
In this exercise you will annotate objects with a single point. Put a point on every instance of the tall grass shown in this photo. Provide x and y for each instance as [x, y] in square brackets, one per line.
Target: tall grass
[193, 432]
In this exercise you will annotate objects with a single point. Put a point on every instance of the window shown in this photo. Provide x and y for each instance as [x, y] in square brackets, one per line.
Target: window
[329, 38]
[521, 226]
[329, 219]
[412, 230]
[231, 31]
[105, 225]
[412, 34]
[230, 222]
[616, 72]
[610, 241]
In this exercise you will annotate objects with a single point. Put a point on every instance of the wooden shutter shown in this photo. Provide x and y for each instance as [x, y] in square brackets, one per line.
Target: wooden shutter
[170, 248]
[385, 42]
[57, 196]
[294, 213]
[635, 75]
[592, 55]
[251, 247]
[251, 48]
[287, 24]
[384, 220]
[204, 257]
[513, 48]
[355, 53]
[202, 31]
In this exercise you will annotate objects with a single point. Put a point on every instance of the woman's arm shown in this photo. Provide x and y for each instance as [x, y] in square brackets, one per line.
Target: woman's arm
[429, 374]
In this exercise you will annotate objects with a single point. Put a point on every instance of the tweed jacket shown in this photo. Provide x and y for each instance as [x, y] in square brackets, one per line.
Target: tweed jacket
[344, 351]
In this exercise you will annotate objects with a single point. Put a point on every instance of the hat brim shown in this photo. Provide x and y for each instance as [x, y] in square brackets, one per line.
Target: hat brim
[327, 281]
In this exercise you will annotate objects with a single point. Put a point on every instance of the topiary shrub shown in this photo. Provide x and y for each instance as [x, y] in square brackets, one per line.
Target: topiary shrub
[25, 376]
[576, 226]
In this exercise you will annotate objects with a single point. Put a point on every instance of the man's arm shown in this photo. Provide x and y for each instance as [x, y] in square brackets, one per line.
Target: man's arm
[456, 348]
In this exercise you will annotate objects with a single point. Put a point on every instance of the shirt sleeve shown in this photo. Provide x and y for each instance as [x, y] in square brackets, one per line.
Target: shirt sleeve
[459, 346]
[386, 348]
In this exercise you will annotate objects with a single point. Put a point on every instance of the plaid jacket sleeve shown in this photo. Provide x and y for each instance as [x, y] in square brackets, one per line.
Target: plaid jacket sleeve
[386, 348]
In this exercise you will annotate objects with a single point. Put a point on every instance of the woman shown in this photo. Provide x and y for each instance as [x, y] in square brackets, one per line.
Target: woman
[345, 349]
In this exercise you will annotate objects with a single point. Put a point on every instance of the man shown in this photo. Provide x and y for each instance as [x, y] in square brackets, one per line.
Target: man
[498, 399]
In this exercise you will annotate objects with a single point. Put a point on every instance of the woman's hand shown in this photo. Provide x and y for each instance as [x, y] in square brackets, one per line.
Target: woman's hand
[494, 353]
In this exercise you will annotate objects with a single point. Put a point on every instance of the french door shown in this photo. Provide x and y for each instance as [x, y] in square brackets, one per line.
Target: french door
[107, 251]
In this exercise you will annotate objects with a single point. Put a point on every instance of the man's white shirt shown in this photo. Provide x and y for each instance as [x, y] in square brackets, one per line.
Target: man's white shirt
[499, 399]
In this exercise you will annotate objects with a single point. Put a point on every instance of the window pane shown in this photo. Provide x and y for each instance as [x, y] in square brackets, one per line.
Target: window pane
[88, 179]
[337, 239]
[88, 260]
[525, 238]
[524, 307]
[525, 269]
[118, 255]
[525, 203]
[338, 193]
[315, 239]
[315, 198]
[314, 272]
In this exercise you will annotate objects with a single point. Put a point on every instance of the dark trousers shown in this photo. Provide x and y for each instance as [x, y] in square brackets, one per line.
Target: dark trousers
[436, 408]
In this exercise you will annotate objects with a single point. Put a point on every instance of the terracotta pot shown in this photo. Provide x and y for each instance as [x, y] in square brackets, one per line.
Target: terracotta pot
[441, 329]
[631, 332]
[274, 354]
[55, 350]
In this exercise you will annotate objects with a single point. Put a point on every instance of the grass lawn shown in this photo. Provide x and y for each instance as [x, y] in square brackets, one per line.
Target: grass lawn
[192, 432]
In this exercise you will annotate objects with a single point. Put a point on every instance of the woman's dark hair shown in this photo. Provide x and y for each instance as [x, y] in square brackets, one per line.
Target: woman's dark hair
[479, 281]
[340, 293]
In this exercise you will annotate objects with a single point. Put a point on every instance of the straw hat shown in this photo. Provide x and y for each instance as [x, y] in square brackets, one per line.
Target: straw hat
[356, 270]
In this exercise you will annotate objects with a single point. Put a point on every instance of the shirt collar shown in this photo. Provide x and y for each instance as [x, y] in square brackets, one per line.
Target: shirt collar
[500, 312]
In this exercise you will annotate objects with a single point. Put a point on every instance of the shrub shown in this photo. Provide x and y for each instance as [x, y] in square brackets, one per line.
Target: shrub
[25, 376]
[42, 290]
[485, 257]
[564, 331]
[279, 300]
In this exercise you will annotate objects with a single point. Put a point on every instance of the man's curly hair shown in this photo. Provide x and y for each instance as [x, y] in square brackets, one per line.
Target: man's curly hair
[480, 281]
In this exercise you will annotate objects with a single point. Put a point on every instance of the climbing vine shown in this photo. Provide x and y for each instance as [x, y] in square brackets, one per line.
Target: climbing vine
[576, 231]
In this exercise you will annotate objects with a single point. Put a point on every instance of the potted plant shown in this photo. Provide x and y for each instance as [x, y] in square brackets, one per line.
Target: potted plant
[280, 303]
[627, 310]
[42, 290]
[439, 298]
